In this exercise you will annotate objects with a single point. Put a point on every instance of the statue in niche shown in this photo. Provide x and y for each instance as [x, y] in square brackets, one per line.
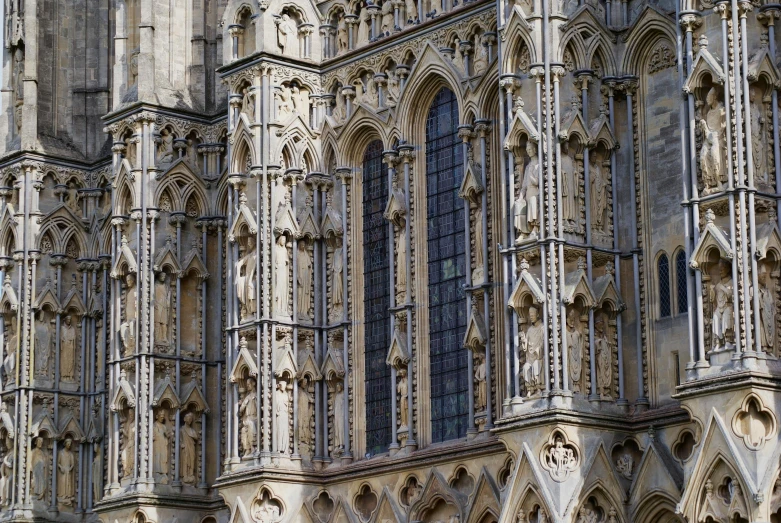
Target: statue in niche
[306, 404]
[286, 28]
[526, 207]
[604, 354]
[758, 141]
[73, 198]
[129, 444]
[458, 56]
[192, 160]
[285, 107]
[371, 96]
[401, 260]
[531, 344]
[281, 276]
[624, 466]
[560, 459]
[248, 103]
[480, 64]
[161, 439]
[9, 361]
[364, 27]
[282, 417]
[479, 272]
[339, 111]
[598, 192]
[411, 10]
[338, 405]
[401, 390]
[97, 472]
[300, 99]
[304, 281]
[720, 296]
[587, 515]
[68, 339]
[66, 478]
[18, 87]
[165, 150]
[575, 344]
[767, 309]
[43, 345]
[393, 89]
[6, 478]
[246, 272]
[337, 281]
[480, 379]
[570, 189]
[342, 36]
[127, 329]
[39, 464]
[248, 413]
[189, 455]
[712, 155]
[386, 22]
[162, 309]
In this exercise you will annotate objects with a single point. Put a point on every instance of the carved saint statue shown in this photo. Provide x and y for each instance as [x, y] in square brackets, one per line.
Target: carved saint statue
[479, 271]
[767, 309]
[624, 466]
[73, 198]
[165, 151]
[161, 435]
[246, 271]
[127, 329]
[480, 400]
[587, 515]
[248, 104]
[300, 99]
[9, 349]
[285, 96]
[531, 344]
[129, 444]
[721, 300]
[386, 22]
[604, 361]
[248, 414]
[282, 417]
[364, 27]
[305, 412]
[560, 459]
[393, 89]
[342, 36]
[43, 345]
[39, 463]
[570, 190]
[339, 111]
[304, 280]
[286, 28]
[713, 152]
[411, 10]
[598, 192]
[281, 277]
[338, 399]
[401, 260]
[480, 64]
[527, 201]
[575, 349]
[97, 472]
[162, 309]
[189, 456]
[758, 141]
[66, 478]
[401, 390]
[337, 279]
[6, 478]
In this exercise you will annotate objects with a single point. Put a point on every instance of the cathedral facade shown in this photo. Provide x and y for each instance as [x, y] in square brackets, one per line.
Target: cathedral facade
[390, 261]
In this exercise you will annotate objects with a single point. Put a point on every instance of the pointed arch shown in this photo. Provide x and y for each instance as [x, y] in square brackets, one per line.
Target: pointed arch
[650, 27]
[242, 152]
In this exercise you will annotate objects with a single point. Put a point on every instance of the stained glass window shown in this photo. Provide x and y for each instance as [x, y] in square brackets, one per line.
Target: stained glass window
[664, 286]
[680, 282]
[376, 300]
[446, 271]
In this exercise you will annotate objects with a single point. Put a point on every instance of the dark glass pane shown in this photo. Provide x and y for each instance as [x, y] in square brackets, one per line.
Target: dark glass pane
[446, 267]
[376, 300]
[664, 286]
[680, 276]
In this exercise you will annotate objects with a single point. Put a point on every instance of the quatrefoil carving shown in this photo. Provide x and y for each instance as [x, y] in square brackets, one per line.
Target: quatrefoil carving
[754, 422]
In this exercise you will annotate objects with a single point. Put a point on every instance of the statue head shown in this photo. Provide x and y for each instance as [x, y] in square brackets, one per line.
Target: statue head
[68, 443]
[67, 320]
[712, 97]
[188, 418]
[39, 442]
[251, 384]
[339, 386]
[533, 314]
[161, 277]
[161, 416]
[571, 317]
[723, 270]
[130, 279]
[531, 149]
[281, 385]
[250, 242]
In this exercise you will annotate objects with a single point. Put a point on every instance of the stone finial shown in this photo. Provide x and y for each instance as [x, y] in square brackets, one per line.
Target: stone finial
[610, 268]
[243, 342]
[703, 42]
[518, 104]
[581, 263]
[710, 216]
[242, 198]
[524, 265]
[124, 240]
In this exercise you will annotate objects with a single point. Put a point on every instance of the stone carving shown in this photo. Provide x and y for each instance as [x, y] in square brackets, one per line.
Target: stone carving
[286, 28]
[285, 102]
[401, 390]
[6, 478]
[248, 104]
[393, 89]
[18, 86]
[73, 198]
[300, 100]
[43, 345]
[304, 281]
[282, 417]
[531, 346]
[759, 144]
[480, 381]
[411, 10]
[161, 436]
[337, 398]
[129, 444]
[587, 515]
[248, 414]
[162, 310]
[66, 479]
[526, 207]
[364, 27]
[337, 282]
[599, 184]
[767, 306]
[386, 24]
[604, 353]
[339, 111]
[401, 261]
[246, 272]
[127, 329]
[754, 423]
[559, 457]
[575, 344]
[720, 296]
[570, 189]
[97, 472]
[281, 277]
[189, 455]
[661, 58]
[165, 151]
[39, 464]
[342, 36]
[9, 349]
[306, 406]
[625, 465]
[713, 153]
[479, 270]
[480, 65]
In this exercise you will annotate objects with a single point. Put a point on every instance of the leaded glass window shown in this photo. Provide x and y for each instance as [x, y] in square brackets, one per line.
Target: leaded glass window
[680, 282]
[664, 286]
[376, 300]
[446, 271]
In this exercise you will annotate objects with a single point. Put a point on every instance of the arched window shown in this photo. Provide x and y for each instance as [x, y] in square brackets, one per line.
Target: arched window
[680, 282]
[663, 266]
[376, 300]
[446, 271]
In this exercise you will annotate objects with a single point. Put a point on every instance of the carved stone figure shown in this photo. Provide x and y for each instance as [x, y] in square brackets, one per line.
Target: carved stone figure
[66, 479]
[338, 399]
[43, 345]
[246, 273]
[73, 198]
[127, 329]
[713, 152]
[189, 455]
[560, 459]
[401, 260]
[392, 90]
[587, 515]
[9, 349]
[721, 300]
[286, 28]
[165, 151]
[411, 10]
[364, 27]
[282, 417]
[337, 280]
[285, 106]
[129, 444]
[480, 64]
[570, 189]
[386, 23]
[531, 344]
[97, 472]
[39, 464]
[767, 309]
[281, 277]
[758, 141]
[479, 271]
[248, 414]
[624, 466]
[604, 362]
[480, 381]
[598, 193]
[342, 36]
[6, 478]
[248, 104]
[306, 405]
[304, 280]
[161, 435]
[339, 111]
[575, 349]
[300, 99]
[528, 199]
[162, 310]
[401, 390]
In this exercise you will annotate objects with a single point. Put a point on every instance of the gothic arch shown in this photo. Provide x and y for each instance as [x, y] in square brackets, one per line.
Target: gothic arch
[519, 40]
[357, 134]
[657, 507]
[649, 28]
[242, 150]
